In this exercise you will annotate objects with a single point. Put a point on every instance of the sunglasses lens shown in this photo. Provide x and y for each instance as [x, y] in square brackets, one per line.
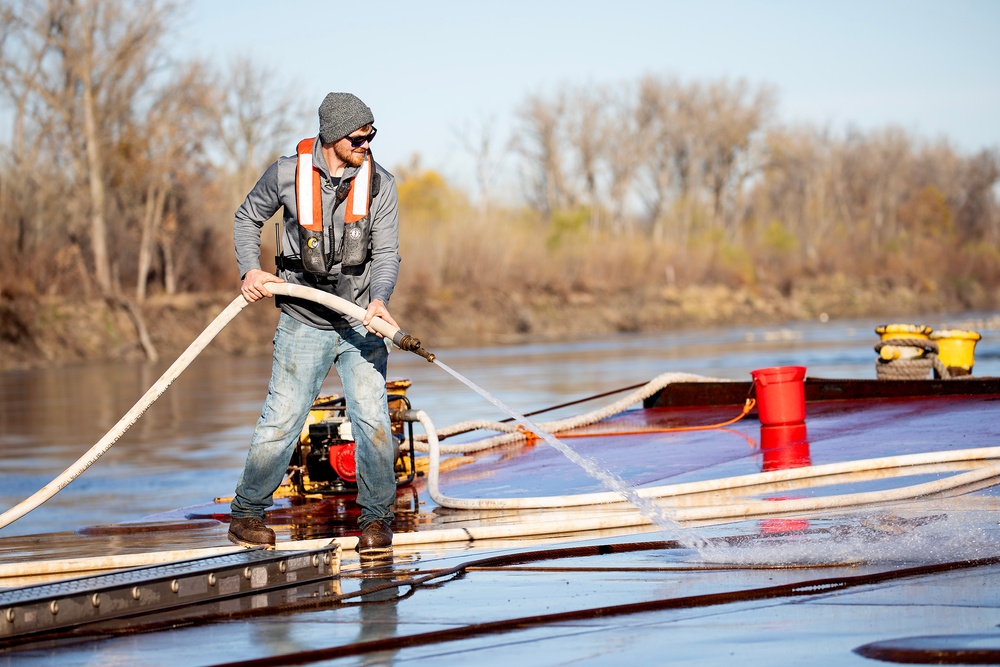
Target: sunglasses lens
[357, 142]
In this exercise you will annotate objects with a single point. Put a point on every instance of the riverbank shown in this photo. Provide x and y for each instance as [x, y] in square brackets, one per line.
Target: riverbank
[37, 331]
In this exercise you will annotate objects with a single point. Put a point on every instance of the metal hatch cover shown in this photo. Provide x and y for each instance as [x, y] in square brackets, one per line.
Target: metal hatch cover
[144, 590]
[969, 649]
[936, 650]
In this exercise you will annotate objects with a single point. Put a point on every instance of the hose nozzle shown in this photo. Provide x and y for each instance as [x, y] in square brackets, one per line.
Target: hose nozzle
[405, 341]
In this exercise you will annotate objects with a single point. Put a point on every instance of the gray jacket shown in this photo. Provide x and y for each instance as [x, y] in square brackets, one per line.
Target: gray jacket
[375, 279]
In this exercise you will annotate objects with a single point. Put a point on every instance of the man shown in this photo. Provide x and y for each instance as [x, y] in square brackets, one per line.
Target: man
[345, 242]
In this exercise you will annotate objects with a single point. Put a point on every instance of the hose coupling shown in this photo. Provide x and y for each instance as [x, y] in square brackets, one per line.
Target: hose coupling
[405, 415]
[405, 341]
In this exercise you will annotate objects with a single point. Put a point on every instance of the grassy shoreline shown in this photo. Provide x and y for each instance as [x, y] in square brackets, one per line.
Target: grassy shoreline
[50, 331]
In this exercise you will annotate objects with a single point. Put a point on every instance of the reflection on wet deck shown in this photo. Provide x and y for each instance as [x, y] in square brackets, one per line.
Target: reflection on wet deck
[830, 586]
[556, 601]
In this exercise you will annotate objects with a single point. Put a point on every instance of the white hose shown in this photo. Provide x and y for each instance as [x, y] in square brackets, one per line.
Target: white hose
[563, 525]
[131, 417]
[515, 434]
[566, 524]
[332, 302]
[171, 374]
[742, 509]
[626, 519]
[630, 518]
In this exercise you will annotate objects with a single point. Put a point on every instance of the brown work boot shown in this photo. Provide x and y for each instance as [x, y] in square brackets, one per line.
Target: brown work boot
[250, 532]
[375, 540]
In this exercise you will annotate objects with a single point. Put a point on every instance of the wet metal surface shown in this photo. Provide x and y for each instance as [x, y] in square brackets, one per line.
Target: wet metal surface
[820, 628]
[931, 561]
[679, 604]
[119, 595]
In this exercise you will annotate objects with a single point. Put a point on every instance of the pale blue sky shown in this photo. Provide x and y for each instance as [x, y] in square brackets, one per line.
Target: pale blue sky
[433, 68]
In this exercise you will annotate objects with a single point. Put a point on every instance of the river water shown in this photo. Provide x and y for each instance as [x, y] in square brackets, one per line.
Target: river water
[190, 445]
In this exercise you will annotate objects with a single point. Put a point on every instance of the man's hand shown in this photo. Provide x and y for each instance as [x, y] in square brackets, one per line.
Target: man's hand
[253, 284]
[377, 309]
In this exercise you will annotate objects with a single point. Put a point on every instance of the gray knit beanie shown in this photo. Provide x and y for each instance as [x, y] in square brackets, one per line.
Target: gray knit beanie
[340, 114]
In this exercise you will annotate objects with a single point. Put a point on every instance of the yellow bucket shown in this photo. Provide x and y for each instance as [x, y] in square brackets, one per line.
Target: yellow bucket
[957, 349]
[889, 332]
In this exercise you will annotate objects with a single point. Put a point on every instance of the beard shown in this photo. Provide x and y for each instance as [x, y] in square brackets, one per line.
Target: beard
[352, 157]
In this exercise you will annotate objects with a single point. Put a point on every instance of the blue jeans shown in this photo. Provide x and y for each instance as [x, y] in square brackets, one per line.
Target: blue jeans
[303, 356]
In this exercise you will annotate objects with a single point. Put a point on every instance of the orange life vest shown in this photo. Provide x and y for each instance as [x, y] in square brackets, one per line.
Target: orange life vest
[308, 192]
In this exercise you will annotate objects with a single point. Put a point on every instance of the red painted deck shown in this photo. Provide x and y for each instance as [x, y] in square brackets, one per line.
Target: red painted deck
[887, 580]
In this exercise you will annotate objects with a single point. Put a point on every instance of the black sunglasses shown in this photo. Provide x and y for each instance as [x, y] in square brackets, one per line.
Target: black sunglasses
[358, 142]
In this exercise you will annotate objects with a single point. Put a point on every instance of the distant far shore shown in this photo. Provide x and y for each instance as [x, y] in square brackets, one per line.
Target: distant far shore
[48, 331]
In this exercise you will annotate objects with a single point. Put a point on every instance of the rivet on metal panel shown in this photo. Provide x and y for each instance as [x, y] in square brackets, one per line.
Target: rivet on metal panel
[136, 593]
[211, 578]
[95, 599]
[175, 585]
[54, 607]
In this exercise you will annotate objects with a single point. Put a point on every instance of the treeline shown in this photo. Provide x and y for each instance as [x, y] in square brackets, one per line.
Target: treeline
[123, 168]
[681, 184]
[705, 172]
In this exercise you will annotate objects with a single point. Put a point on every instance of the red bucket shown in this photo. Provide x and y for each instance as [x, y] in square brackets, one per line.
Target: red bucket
[781, 394]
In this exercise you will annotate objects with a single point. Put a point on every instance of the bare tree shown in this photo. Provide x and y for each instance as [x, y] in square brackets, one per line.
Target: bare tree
[796, 192]
[543, 146]
[83, 64]
[26, 192]
[582, 123]
[978, 213]
[581, 150]
[261, 117]
[888, 157]
[662, 115]
[733, 116]
[623, 138]
[173, 139]
[487, 152]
